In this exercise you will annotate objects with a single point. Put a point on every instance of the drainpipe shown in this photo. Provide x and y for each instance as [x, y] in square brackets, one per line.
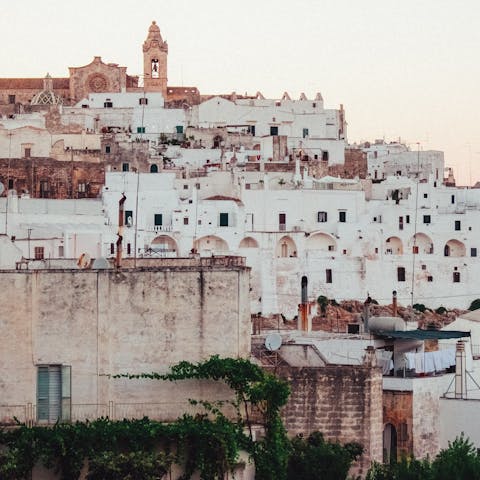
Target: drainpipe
[460, 371]
[121, 217]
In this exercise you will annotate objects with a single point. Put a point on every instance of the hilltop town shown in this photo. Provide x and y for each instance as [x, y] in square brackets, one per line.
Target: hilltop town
[144, 224]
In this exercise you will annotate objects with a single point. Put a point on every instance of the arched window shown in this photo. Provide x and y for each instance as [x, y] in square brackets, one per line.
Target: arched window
[154, 168]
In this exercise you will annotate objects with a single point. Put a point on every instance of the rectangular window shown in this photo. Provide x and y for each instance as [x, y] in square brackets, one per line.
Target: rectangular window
[342, 216]
[456, 277]
[179, 128]
[223, 220]
[140, 129]
[11, 99]
[305, 133]
[128, 217]
[273, 131]
[10, 183]
[328, 275]
[325, 156]
[473, 252]
[107, 149]
[143, 101]
[429, 278]
[185, 220]
[251, 130]
[452, 199]
[282, 221]
[82, 187]
[322, 217]
[44, 189]
[425, 195]
[28, 152]
[401, 274]
[407, 218]
[39, 253]
[458, 225]
[129, 248]
[60, 251]
[112, 248]
[54, 393]
[353, 328]
[125, 167]
[158, 219]
[427, 219]
[400, 223]
[415, 249]
[107, 104]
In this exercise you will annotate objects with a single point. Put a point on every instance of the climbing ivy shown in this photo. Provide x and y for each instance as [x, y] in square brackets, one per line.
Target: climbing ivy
[208, 443]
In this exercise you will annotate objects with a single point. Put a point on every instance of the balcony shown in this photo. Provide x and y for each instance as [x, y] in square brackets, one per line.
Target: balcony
[161, 228]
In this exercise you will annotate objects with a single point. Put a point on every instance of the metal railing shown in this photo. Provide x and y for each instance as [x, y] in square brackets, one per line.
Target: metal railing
[11, 415]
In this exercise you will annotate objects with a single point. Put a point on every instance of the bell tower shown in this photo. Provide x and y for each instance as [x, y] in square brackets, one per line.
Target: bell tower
[155, 52]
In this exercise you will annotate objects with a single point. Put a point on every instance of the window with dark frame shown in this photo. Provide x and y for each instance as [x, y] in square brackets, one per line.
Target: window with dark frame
[322, 217]
[328, 275]
[401, 274]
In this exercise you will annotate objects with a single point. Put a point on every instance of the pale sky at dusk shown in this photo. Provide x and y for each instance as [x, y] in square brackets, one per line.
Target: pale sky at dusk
[408, 69]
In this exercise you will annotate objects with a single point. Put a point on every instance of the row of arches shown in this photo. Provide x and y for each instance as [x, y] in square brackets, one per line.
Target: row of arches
[286, 246]
[421, 243]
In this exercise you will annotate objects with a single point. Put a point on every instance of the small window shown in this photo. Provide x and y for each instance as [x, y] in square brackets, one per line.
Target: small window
[452, 199]
[197, 186]
[223, 220]
[112, 248]
[305, 133]
[125, 167]
[53, 393]
[314, 105]
[456, 277]
[108, 104]
[154, 168]
[28, 152]
[458, 225]
[11, 99]
[129, 248]
[325, 156]
[353, 328]
[143, 101]
[128, 217]
[401, 274]
[328, 275]
[342, 216]
[185, 220]
[10, 184]
[140, 129]
[429, 278]
[82, 187]
[39, 253]
[185, 186]
[407, 218]
[424, 267]
[427, 219]
[331, 248]
[158, 219]
[425, 195]
[107, 149]
[322, 217]
[273, 131]
[179, 128]
[44, 189]
[415, 249]
[473, 252]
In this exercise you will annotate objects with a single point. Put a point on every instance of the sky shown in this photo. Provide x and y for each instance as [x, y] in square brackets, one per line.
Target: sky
[406, 69]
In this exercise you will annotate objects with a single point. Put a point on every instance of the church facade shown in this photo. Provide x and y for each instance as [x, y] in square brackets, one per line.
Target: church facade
[17, 95]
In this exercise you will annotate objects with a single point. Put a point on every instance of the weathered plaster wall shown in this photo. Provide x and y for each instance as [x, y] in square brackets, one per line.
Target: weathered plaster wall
[109, 322]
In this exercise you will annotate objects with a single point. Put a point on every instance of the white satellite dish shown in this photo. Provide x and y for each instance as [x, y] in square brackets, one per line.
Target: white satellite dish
[100, 263]
[273, 341]
[84, 260]
[2, 188]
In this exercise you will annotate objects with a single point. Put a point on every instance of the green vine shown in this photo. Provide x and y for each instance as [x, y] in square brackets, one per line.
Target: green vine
[207, 443]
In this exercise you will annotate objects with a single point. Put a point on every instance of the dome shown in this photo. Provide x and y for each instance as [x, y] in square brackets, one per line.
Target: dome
[47, 97]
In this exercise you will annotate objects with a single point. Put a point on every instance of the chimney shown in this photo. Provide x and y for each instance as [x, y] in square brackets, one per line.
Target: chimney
[121, 216]
[460, 371]
[394, 303]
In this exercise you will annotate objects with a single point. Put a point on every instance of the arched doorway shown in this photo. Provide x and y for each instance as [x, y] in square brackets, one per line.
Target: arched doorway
[454, 248]
[154, 168]
[211, 245]
[163, 246]
[389, 443]
[393, 246]
[286, 248]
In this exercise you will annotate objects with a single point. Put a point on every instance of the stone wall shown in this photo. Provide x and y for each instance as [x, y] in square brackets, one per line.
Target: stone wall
[103, 322]
[342, 401]
[50, 178]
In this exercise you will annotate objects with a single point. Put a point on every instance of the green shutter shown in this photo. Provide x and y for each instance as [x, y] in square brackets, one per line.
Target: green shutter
[42, 393]
[158, 219]
[224, 220]
[66, 393]
[179, 128]
[54, 393]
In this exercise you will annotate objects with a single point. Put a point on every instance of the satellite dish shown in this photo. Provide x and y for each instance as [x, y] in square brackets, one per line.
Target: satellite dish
[2, 188]
[100, 263]
[84, 260]
[273, 341]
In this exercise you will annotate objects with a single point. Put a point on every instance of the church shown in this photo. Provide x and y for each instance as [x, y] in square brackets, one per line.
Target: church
[23, 95]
